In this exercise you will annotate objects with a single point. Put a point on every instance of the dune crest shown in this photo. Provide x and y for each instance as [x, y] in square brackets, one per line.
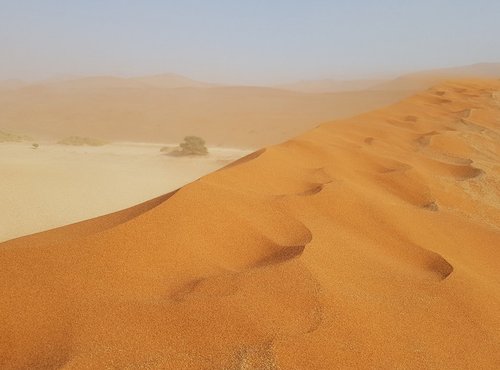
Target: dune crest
[370, 242]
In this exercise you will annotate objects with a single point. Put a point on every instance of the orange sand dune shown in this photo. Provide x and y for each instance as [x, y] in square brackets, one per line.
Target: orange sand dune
[425, 79]
[372, 242]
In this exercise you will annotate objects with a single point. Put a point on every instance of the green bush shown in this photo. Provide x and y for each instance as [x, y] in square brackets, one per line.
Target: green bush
[192, 145]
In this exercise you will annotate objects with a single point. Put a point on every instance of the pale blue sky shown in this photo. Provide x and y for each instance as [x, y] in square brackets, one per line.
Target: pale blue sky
[251, 41]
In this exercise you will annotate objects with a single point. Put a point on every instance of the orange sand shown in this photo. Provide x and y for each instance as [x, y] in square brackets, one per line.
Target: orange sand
[372, 242]
[57, 185]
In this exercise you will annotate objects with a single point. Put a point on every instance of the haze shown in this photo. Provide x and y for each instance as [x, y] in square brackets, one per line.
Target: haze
[244, 42]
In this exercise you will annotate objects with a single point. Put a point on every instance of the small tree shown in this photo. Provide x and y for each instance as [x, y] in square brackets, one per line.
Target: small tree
[193, 145]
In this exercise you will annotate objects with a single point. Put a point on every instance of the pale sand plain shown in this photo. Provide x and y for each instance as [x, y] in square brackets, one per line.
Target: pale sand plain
[371, 242]
[56, 185]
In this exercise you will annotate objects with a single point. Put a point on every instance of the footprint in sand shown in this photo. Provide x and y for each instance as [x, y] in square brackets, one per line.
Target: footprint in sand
[424, 140]
[368, 140]
[457, 172]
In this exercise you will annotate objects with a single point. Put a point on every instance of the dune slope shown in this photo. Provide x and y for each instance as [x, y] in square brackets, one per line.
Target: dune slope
[371, 242]
[419, 81]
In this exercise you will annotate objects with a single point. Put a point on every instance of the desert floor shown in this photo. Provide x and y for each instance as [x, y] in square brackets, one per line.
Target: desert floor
[56, 185]
[366, 243]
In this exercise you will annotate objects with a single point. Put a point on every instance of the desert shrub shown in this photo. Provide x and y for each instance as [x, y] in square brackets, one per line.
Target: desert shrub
[192, 145]
[9, 137]
[80, 141]
[35, 145]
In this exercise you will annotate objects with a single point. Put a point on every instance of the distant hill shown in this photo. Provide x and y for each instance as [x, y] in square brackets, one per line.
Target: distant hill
[167, 81]
[170, 80]
[329, 85]
[410, 82]
[165, 109]
[425, 79]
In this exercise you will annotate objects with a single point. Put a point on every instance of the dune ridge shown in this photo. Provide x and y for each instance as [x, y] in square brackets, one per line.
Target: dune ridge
[425, 79]
[369, 242]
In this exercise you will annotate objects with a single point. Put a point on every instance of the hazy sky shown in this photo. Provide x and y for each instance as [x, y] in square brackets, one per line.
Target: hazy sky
[245, 41]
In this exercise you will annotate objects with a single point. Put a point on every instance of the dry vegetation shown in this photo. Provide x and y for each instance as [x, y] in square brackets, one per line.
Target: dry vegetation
[192, 145]
[10, 137]
[81, 141]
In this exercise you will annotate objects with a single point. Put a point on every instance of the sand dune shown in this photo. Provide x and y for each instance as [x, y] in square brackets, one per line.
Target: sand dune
[55, 185]
[330, 85]
[167, 107]
[171, 81]
[411, 83]
[419, 81]
[163, 108]
[371, 242]
[166, 80]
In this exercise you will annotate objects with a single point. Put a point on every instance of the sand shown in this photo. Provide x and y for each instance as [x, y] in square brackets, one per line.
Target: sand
[371, 242]
[422, 80]
[56, 185]
[150, 109]
[332, 85]
[168, 107]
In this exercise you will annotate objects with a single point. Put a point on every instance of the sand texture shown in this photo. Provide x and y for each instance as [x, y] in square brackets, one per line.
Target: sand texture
[372, 242]
[56, 185]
